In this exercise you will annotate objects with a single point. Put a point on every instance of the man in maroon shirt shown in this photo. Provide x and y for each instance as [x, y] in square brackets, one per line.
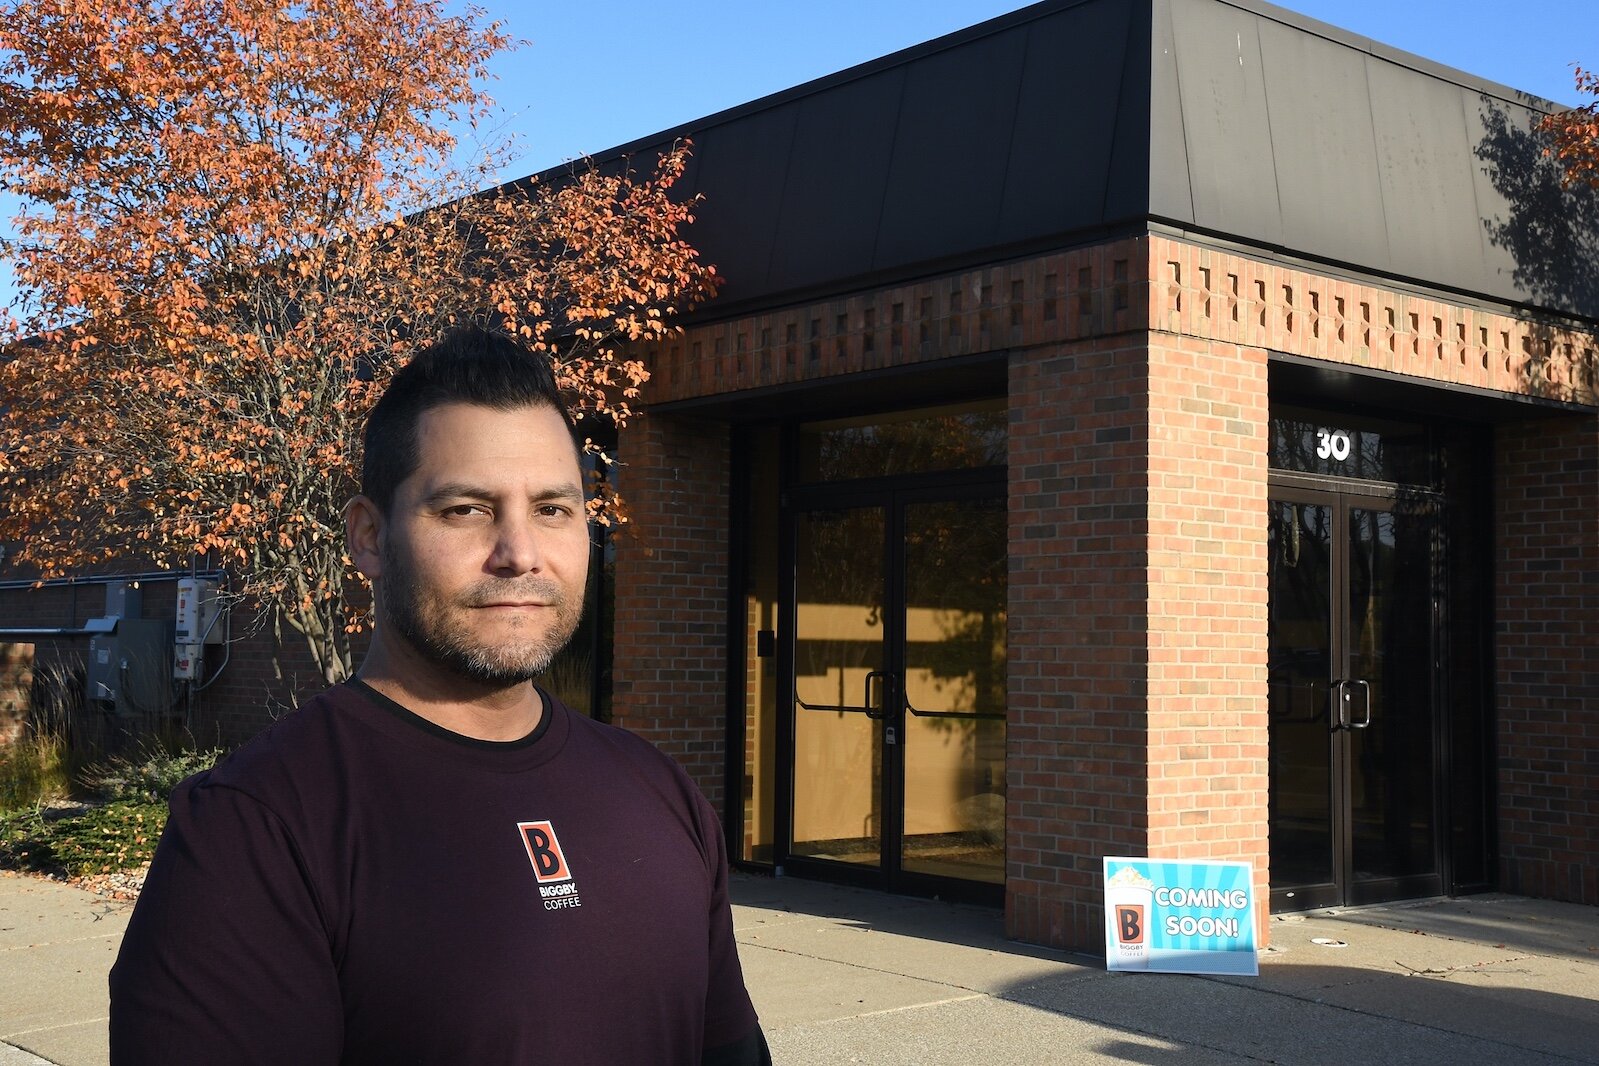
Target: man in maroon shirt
[437, 862]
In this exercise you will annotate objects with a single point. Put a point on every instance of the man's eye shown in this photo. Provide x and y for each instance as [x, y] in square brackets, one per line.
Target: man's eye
[462, 510]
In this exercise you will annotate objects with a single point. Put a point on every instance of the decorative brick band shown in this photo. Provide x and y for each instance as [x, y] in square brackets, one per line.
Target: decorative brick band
[1067, 296]
[1155, 282]
[1202, 292]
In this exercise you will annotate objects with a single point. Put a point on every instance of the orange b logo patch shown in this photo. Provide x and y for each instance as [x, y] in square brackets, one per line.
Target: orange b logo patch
[544, 852]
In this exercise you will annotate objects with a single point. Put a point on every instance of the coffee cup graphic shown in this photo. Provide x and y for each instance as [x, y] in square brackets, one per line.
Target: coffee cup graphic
[1129, 908]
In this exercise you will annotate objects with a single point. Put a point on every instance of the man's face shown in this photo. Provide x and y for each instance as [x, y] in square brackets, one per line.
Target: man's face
[484, 554]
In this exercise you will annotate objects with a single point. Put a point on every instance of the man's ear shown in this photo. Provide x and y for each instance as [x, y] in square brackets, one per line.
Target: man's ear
[363, 536]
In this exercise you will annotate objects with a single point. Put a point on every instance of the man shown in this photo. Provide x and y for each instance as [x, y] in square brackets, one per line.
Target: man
[437, 862]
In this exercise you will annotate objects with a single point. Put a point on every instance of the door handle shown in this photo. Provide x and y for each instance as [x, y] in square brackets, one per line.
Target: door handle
[1365, 704]
[877, 711]
[1343, 716]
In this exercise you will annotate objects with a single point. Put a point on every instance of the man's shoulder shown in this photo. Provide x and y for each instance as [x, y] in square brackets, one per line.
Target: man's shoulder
[652, 767]
[285, 752]
[624, 741]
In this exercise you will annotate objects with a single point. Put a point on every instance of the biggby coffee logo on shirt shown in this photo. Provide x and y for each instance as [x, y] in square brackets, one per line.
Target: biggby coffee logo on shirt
[554, 876]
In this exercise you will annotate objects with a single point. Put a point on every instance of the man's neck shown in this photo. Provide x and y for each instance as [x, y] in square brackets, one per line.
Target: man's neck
[449, 701]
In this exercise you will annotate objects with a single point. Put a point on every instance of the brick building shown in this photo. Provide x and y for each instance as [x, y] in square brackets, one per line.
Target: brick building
[1160, 427]
[1130, 427]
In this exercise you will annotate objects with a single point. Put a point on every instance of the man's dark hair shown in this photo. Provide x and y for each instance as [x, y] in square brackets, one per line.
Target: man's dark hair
[468, 364]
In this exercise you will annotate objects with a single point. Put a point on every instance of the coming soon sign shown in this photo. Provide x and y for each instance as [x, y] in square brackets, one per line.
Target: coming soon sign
[1172, 916]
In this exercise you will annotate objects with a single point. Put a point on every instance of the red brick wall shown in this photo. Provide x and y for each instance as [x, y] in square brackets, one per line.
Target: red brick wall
[1138, 489]
[670, 666]
[1076, 769]
[1207, 617]
[671, 647]
[1138, 618]
[1547, 657]
[1203, 292]
[16, 684]
[255, 685]
[1066, 296]
[1547, 502]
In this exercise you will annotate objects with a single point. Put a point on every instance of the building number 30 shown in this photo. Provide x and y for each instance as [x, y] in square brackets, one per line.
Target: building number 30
[1333, 444]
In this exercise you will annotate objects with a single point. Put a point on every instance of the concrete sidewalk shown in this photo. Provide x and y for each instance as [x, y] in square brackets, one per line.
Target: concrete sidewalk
[851, 977]
[844, 976]
[57, 944]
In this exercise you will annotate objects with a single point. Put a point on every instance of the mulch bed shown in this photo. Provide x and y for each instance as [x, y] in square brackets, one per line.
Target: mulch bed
[118, 886]
[123, 887]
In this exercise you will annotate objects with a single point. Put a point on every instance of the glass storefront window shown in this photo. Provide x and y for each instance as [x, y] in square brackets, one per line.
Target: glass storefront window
[956, 437]
[760, 663]
[1353, 446]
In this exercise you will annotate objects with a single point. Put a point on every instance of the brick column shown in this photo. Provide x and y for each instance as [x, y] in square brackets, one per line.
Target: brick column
[16, 690]
[1547, 657]
[670, 670]
[1138, 625]
[1208, 636]
[1077, 770]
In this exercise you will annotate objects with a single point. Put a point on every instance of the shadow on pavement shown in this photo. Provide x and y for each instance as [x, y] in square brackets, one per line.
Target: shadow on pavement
[1498, 979]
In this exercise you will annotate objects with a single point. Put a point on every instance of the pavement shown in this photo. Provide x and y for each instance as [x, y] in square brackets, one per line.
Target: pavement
[846, 976]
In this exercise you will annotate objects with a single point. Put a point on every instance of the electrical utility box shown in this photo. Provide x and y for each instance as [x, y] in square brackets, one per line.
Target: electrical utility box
[123, 599]
[197, 624]
[199, 615]
[130, 668]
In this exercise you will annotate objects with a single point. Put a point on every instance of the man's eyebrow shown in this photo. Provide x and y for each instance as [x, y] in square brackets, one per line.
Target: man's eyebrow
[461, 490]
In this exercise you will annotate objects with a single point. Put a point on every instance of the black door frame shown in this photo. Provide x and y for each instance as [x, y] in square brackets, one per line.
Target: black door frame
[1343, 496]
[894, 495]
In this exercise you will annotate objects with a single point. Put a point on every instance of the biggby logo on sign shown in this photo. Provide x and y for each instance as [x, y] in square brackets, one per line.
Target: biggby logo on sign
[1130, 924]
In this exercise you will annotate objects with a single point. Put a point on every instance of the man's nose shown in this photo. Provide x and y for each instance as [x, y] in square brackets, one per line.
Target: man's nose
[516, 547]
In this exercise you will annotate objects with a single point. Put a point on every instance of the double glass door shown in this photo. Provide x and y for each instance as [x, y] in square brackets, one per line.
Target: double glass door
[896, 675]
[1354, 662]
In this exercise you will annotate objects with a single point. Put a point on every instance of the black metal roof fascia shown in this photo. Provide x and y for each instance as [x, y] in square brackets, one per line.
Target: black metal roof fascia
[1421, 64]
[911, 54]
[1284, 137]
[720, 310]
[1037, 11]
[900, 167]
[802, 182]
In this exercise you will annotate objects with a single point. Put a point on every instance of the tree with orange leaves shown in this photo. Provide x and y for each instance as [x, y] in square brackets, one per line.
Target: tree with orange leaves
[1575, 134]
[236, 224]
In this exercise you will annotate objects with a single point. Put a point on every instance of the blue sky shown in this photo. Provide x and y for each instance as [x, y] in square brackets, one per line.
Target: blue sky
[599, 73]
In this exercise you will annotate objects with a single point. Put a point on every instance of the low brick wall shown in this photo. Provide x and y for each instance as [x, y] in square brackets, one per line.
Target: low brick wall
[16, 683]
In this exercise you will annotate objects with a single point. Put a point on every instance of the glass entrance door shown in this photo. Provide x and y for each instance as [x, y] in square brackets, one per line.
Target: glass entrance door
[840, 655]
[899, 686]
[1353, 668]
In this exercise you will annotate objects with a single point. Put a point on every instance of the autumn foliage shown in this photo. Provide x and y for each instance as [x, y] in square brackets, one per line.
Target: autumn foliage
[225, 253]
[1575, 134]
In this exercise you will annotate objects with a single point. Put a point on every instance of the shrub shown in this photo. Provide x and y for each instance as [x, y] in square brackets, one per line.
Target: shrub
[37, 766]
[119, 835]
[33, 770]
[148, 775]
[115, 837]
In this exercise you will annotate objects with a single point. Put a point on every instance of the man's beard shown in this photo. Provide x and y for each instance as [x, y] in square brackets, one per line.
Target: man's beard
[429, 626]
